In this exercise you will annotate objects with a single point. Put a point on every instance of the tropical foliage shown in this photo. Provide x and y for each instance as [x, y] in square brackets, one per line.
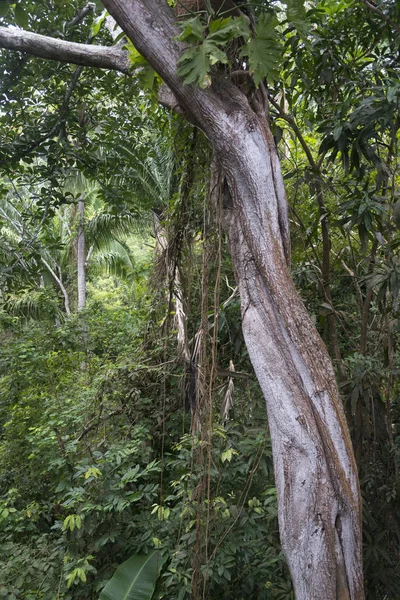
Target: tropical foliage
[133, 439]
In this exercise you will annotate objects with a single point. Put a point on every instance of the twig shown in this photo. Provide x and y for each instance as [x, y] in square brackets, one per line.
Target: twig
[60, 284]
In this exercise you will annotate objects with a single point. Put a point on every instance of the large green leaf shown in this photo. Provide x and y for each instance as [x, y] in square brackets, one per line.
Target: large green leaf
[297, 15]
[21, 16]
[135, 579]
[195, 64]
[264, 51]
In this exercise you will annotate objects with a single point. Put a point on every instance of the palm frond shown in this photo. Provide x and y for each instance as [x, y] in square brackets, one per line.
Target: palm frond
[33, 304]
[105, 227]
[116, 259]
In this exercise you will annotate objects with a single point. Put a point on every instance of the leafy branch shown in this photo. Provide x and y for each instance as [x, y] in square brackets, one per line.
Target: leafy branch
[261, 46]
[373, 8]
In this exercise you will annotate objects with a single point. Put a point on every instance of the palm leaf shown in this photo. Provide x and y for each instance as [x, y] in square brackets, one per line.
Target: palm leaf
[115, 261]
[135, 579]
[103, 228]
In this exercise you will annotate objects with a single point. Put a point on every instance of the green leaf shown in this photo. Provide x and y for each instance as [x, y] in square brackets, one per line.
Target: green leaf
[193, 31]
[194, 66]
[146, 75]
[264, 52]
[136, 59]
[135, 579]
[228, 454]
[21, 16]
[392, 92]
[135, 497]
[98, 22]
[196, 62]
[225, 30]
[71, 579]
[337, 132]
[93, 472]
[3, 8]
[297, 15]
[216, 55]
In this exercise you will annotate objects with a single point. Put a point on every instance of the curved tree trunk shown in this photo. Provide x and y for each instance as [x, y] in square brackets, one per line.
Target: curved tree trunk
[315, 471]
[316, 477]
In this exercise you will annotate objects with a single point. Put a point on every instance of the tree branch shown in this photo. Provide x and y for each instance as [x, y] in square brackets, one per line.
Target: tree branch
[103, 57]
[373, 8]
[152, 27]
[60, 284]
[82, 14]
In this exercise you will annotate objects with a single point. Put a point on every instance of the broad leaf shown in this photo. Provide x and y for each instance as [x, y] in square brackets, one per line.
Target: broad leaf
[264, 51]
[196, 62]
[225, 30]
[21, 16]
[145, 74]
[195, 65]
[297, 15]
[193, 31]
[135, 579]
[98, 22]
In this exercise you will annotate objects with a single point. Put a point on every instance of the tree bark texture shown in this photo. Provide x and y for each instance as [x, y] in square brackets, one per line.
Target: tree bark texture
[316, 476]
[81, 256]
[105, 57]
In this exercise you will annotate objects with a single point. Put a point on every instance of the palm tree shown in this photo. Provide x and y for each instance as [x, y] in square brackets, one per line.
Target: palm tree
[83, 233]
[50, 254]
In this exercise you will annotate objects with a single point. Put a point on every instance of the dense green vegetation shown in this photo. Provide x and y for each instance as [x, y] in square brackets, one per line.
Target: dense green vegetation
[123, 428]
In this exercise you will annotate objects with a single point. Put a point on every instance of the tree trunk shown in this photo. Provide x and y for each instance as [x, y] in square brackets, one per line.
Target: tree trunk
[316, 477]
[81, 256]
[315, 471]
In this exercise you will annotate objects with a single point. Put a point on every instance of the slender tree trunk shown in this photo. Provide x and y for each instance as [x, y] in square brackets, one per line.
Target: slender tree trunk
[81, 256]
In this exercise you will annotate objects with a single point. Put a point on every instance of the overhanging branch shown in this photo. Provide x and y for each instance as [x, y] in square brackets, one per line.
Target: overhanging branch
[373, 8]
[103, 57]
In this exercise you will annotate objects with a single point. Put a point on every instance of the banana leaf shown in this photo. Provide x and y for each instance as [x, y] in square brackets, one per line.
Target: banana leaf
[135, 579]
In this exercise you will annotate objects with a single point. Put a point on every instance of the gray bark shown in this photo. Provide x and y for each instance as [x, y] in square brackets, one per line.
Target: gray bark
[81, 257]
[104, 57]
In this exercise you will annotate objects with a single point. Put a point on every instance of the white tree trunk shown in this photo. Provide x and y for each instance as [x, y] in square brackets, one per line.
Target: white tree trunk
[315, 471]
[81, 256]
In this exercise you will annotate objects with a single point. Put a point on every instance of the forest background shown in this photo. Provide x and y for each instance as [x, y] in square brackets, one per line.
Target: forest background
[131, 420]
